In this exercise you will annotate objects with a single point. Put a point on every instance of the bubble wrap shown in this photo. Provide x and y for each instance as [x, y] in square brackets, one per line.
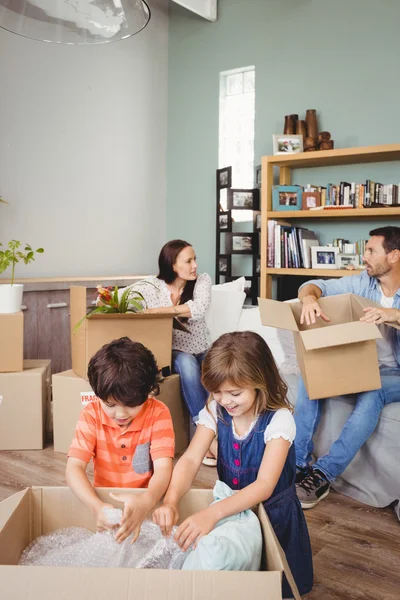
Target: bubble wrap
[78, 547]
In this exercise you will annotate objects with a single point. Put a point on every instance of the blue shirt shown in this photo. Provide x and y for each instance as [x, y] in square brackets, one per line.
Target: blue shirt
[360, 285]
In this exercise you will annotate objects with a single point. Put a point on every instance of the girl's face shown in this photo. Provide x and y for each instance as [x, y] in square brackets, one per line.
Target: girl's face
[121, 414]
[185, 265]
[237, 401]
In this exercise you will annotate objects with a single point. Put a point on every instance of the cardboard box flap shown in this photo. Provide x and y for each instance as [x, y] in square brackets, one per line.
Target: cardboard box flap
[365, 303]
[134, 584]
[78, 336]
[277, 314]
[338, 335]
[8, 506]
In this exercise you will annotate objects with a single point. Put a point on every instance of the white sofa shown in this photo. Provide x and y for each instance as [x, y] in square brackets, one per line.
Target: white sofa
[373, 477]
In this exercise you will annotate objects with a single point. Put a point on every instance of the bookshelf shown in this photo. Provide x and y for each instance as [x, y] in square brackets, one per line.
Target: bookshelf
[324, 158]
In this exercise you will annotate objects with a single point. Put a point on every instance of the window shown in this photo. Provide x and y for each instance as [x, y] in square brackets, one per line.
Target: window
[236, 125]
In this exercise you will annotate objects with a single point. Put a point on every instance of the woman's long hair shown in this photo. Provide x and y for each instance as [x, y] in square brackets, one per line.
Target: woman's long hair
[166, 260]
[244, 359]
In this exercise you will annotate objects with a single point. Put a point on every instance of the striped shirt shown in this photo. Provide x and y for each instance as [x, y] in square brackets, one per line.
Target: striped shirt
[123, 457]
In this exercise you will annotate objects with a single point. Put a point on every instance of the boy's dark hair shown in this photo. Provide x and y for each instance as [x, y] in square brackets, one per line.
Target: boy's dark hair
[391, 237]
[124, 370]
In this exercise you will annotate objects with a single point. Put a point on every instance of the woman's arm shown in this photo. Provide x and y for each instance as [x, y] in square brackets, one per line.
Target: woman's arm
[182, 478]
[201, 523]
[195, 308]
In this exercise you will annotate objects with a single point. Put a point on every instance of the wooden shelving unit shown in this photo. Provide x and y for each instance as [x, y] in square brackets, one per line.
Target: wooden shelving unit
[325, 158]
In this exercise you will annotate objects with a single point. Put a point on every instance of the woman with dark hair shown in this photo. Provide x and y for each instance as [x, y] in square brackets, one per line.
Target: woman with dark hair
[181, 291]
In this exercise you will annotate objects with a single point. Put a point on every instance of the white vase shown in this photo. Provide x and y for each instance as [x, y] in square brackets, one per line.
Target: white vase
[11, 298]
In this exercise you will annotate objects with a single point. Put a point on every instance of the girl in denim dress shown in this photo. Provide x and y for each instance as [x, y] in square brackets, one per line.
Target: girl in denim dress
[248, 412]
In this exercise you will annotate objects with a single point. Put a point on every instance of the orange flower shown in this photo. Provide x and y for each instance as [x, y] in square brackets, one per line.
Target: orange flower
[104, 294]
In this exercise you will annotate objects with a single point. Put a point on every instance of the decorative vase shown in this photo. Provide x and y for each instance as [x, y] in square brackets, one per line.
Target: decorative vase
[290, 125]
[312, 123]
[301, 129]
[11, 298]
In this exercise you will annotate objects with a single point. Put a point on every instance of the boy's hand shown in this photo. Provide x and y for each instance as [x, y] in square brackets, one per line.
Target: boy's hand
[136, 509]
[101, 518]
[166, 516]
[194, 528]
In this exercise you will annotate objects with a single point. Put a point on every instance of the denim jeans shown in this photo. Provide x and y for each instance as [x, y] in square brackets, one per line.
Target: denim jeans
[357, 429]
[188, 367]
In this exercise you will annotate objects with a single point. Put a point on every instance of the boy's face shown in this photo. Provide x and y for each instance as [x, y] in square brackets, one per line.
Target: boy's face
[121, 414]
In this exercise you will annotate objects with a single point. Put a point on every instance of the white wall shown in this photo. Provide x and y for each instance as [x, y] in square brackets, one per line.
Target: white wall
[83, 151]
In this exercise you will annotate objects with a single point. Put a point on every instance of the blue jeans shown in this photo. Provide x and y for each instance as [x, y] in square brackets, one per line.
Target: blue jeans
[357, 429]
[188, 367]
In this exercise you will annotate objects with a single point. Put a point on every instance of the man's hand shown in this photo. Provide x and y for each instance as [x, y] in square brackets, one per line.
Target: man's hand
[136, 509]
[194, 528]
[381, 315]
[310, 310]
[166, 516]
[101, 519]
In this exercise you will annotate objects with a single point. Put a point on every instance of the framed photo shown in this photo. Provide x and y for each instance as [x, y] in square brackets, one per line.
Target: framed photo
[244, 199]
[224, 177]
[257, 176]
[347, 261]
[225, 221]
[241, 243]
[257, 221]
[324, 257]
[310, 200]
[224, 265]
[287, 197]
[287, 144]
[258, 266]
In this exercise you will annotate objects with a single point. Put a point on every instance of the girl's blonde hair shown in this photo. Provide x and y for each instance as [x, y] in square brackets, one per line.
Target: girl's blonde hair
[244, 359]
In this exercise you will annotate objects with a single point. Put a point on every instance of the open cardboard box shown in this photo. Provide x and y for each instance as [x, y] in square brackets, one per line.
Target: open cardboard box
[337, 357]
[152, 330]
[71, 393]
[41, 510]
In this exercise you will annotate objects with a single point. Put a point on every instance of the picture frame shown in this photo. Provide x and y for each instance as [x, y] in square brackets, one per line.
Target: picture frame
[239, 199]
[257, 176]
[310, 200]
[258, 266]
[324, 257]
[225, 221]
[241, 243]
[257, 221]
[287, 144]
[287, 197]
[224, 178]
[224, 265]
[343, 261]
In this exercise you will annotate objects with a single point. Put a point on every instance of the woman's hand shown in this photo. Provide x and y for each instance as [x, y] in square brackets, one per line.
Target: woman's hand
[154, 311]
[166, 516]
[194, 528]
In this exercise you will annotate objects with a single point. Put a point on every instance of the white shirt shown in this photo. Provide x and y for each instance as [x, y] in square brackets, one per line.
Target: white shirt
[282, 424]
[158, 295]
[384, 346]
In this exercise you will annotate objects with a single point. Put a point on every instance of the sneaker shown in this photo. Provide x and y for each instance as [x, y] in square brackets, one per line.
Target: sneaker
[312, 489]
[301, 473]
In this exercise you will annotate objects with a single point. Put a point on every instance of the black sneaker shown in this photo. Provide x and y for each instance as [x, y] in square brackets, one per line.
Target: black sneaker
[301, 473]
[312, 488]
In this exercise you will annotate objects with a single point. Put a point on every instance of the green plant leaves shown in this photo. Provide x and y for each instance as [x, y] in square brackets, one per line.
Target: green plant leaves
[12, 256]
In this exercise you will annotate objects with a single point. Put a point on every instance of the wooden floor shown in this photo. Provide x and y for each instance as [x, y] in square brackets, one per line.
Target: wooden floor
[356, 548]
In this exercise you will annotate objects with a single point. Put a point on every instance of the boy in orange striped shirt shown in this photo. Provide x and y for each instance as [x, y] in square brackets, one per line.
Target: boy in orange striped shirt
[128, 434]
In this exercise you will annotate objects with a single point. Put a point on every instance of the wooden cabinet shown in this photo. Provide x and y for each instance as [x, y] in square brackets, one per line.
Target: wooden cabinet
[46, 307]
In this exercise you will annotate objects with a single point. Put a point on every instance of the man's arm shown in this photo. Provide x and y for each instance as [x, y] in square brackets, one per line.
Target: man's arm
[309, 295]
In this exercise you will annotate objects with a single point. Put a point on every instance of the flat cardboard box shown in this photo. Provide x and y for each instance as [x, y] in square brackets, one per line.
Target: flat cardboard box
[152, 330]
[11, 342]
[337, 357]
[41, 510]
[24, 405]
[71, 393]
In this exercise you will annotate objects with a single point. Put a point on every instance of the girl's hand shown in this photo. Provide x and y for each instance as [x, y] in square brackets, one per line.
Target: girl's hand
[136, 509]
[166, 516]
[101, 520]
[194, 528]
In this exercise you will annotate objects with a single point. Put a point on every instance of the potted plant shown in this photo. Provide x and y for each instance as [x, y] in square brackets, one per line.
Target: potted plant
[11, 293]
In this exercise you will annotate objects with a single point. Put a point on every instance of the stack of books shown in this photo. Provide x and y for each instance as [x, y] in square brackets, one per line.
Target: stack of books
[288, 246]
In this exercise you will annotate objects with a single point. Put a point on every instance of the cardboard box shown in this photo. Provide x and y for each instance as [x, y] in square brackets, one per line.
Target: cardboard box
[71, 393]
[153, 331]
[24, 404]
[41, 510]
[336, 357]
[11, 342]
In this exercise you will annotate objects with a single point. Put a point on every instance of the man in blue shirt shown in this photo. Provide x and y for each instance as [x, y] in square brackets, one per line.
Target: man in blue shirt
[379, 282]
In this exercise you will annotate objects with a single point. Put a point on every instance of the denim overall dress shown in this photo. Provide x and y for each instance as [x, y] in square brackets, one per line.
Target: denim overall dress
[238, 465]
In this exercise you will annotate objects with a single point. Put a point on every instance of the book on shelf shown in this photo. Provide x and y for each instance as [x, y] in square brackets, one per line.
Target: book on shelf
[288, 246]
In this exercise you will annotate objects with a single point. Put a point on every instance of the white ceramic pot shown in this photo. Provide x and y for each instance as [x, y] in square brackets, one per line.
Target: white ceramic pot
[11, 298]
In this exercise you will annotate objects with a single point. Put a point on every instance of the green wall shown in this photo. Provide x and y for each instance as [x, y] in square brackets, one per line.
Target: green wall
[341, 57]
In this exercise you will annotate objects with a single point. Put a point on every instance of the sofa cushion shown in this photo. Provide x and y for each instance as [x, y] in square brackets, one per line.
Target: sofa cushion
[226, 306]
